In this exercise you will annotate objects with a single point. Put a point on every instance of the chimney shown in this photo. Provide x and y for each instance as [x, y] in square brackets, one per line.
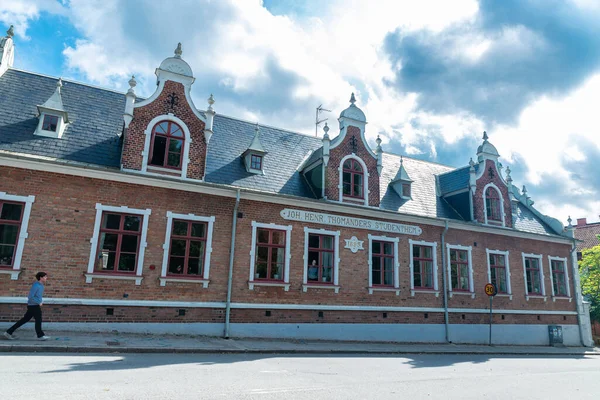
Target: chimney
[581, 221]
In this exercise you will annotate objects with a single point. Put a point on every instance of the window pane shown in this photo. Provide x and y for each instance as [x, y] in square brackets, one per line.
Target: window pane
[176, 131]
[346, 177]
[388, 249]
[177, 247]
[127, 262]
[8, 234]
[107, 260]
[277, 255]
[132, 223]
[278, 237]
[376, 247]
[111, 221]
[454, 275]
[196, 249]
[346, 189]
[176, 265]
[388, 277]
[327, 275]
[417, 251]
[357, 185]
[463, 256]
[108, 241]
[428, 279]
[313, 270]
[262, 236]
[357, 166]
[328, 259]
[180, 228]
[162, 127]
[129, 243]
[313, 241]
[198, 230]
[417, 273]
[175, 146]
[158, 151]
[426, 252]
[327, 242]
[262, 254]
[376, 277]
[276, 271]
[313, 258]
[6, 255]
[50, 123]
[347, 164]
[376, 263]
[194, 266]
[261, 270]
[174, 160]
[11, 212]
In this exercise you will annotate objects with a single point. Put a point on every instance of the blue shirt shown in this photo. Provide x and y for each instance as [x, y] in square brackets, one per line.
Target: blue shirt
[35, 294]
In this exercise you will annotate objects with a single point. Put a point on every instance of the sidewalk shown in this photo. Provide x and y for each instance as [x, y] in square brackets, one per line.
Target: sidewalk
[80, 342]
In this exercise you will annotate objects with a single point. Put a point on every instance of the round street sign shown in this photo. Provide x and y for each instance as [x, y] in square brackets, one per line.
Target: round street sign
[490, 289]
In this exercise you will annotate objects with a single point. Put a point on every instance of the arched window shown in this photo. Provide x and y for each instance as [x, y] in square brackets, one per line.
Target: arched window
[492, 205]
[353, 179]
[167, 145]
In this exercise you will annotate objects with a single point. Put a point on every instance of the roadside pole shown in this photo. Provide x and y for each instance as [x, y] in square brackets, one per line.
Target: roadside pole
[491, 290]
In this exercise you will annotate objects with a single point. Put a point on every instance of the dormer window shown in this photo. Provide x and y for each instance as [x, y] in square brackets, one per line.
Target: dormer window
[256, 162]
[353, 178]
[254, 155]
[406, 190]
[50, 123]
[402, 182]
[492, 205]
[167, 145]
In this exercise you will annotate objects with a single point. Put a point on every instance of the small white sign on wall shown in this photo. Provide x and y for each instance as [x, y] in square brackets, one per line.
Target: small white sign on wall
[354, 244]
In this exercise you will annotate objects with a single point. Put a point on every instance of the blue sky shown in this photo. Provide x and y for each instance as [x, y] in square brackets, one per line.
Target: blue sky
[429, 75]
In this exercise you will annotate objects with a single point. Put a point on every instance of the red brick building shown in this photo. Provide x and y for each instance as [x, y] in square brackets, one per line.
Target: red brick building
[154, 215]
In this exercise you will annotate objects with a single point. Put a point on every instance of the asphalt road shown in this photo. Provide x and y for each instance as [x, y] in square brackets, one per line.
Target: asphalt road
[251, 376]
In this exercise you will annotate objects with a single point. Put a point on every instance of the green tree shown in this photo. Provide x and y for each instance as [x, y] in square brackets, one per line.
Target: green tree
[589, 269]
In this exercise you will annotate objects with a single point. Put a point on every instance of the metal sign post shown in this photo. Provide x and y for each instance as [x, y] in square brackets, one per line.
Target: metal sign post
[491, 291]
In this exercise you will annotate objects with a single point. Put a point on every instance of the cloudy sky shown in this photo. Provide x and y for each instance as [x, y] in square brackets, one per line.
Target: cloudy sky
[431, 75]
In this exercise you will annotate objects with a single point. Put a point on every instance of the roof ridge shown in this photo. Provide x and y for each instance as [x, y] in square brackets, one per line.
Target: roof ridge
[67, 80]
[265, 126]
[423, 161]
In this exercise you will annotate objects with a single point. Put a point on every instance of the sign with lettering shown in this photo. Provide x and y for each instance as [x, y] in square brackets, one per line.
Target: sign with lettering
[354, 244]
[349, 222]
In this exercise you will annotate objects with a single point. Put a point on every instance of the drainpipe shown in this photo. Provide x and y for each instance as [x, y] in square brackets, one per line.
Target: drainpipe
[231, 257]
[445, 283]
[577, 289]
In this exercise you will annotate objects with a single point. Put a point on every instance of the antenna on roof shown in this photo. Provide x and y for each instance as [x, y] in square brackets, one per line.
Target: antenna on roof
[320, 109]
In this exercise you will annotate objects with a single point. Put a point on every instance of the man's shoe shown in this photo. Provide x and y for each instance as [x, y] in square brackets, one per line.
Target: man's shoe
[9, 336]
[44, 337]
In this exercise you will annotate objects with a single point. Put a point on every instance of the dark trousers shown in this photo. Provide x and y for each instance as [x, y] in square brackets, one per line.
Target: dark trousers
[32, 312]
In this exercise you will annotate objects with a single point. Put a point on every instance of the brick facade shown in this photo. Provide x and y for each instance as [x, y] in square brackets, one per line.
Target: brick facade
[478, 197]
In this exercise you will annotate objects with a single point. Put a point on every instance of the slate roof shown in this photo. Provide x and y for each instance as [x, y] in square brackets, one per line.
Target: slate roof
[455, 180]
[96, 116]
[587, 233]
[526, 221]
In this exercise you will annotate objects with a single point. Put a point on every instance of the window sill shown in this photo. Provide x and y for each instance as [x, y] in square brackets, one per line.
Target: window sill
[436, 292]
[136, 278]
[504, 295]
[535, 296]
[284, 285]
[14, 273]
[554, 298]
[164, 279]
[384, 289]
[320, 286]
[454, 293]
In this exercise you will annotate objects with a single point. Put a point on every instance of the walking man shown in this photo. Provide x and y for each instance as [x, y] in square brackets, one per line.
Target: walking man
[34, 308]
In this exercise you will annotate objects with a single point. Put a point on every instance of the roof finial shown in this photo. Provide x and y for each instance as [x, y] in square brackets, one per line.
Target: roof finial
[10, 32]
[508, 177]
[401, 161]
[211, 101]
[352, 99]
[485, 136]
[326, 129]
[256, 128]
[178, 51]
[59, 85]
[569, 220]
[132, 83]
[524, 191]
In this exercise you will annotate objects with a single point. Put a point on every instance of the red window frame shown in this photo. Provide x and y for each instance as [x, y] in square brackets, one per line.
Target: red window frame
[383, 257]
[272, 247]
[169, 133]
[319, 264]
[50, 123]
[10, 222]
[188, 238]
[256, 162]
[417, 267]
[492, 205]
[533, 275]
[556, 273]
[498, 271]
[118, 253]
[456, 265]
[353, 174]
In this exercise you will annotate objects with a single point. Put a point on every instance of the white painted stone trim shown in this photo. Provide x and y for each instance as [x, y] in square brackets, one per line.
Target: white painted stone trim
[23, 234]
[485, 188]
[90, 275]
[366, 192]
[185, 159]
[554, 296]
[435, 268]
[469, 249]
[336, 259]
[543, 286]
[396, 287]
[288, 256]
[505, 254]
[207, 251]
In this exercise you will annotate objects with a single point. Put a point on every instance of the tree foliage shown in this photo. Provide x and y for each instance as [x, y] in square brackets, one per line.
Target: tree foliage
[589, 269]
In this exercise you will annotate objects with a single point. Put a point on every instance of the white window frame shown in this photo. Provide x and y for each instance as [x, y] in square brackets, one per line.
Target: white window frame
[543, 286]
[23, 235]
[435, 289]
[365, 183]
[207, 250]
[509, 293]
[554, 296]
[288, 256]
[501, 204]
[185, 159]
[468, 249]
[396, 287]
[90, 275]
[336, 260]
